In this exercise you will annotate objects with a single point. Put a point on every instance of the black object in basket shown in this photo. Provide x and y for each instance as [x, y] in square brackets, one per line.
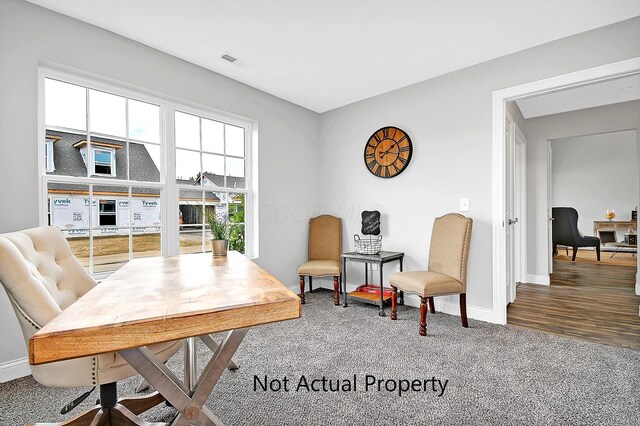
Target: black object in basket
[368, 246]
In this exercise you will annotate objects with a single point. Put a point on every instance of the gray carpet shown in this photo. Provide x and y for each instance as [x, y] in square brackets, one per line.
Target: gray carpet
[496, 375]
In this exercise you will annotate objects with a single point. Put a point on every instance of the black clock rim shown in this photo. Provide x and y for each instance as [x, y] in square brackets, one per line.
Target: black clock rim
[364, 156]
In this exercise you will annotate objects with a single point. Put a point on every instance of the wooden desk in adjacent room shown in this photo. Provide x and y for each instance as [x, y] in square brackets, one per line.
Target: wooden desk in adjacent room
[614, 225]
[162, 299]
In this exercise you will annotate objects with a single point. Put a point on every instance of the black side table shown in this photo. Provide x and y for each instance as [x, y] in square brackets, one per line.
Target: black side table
[380, 259]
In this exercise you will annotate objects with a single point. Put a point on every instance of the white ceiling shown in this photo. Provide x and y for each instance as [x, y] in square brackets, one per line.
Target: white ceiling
[607, 92]
[328, 53]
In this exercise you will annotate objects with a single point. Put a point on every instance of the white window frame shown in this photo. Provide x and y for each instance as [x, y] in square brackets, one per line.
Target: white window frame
[50, 165]
[169, 188]
[250, 189]
[112, 152]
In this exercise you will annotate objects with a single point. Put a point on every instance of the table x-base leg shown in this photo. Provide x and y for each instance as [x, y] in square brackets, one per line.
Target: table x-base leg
[189, 403]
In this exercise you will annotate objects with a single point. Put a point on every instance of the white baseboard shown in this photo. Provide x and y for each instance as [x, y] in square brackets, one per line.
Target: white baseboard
[538, 279]
[451, 308]
[14, 369]
[638, 288]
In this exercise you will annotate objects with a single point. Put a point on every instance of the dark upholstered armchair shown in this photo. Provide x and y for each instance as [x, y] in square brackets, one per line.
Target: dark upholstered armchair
[565, 231]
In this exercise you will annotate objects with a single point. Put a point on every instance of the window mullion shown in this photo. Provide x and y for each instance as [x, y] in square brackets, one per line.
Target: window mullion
[91, 229]
[171, 218]
[88, 133]
[130, 205]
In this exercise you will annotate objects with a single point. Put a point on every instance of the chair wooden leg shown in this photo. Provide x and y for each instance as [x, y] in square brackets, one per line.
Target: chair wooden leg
[394, 303]
[566, 250]
[94, 416]
[575, 251]
[336, 291]
[555, 250]
[140, 404]
[423, 316]
[432, 306]
[302, 289]
[598, 253]
[463, 310]
[114, 411]
[310, 284]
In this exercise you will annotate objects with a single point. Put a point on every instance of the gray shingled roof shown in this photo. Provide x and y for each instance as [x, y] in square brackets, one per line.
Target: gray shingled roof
[68, 162]
[218, 180]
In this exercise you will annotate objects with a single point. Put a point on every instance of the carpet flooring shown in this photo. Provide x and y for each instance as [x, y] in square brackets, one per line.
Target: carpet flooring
[498, 375]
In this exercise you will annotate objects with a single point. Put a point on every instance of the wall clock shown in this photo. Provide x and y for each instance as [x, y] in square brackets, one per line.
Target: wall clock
[388, 152]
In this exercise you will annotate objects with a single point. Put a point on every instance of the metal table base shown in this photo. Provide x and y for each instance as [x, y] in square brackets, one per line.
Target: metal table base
[189, 402]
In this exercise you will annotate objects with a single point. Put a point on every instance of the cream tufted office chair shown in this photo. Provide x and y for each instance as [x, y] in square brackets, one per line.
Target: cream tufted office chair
[447, 274]
[42, 277]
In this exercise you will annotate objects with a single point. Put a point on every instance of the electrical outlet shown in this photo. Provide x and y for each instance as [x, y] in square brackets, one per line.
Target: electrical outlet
[464, 204]
[374, 266]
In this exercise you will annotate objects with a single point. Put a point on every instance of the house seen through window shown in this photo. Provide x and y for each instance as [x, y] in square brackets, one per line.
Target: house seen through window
[111, 144]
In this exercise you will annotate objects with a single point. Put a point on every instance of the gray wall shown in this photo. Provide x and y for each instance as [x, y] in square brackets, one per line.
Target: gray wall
[449, 121]
[595, 173]
[611, 118]
[288, 142]
[448, 118]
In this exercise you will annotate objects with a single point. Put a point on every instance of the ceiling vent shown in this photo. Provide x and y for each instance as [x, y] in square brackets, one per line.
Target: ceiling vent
[229, 58]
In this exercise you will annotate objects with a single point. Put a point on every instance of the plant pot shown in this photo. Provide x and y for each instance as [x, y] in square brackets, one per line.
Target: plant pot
[219, 247]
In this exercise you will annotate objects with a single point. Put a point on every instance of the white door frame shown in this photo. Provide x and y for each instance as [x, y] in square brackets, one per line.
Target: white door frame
[549, 212]
[518, 208]
[500, 97]
[520, 204]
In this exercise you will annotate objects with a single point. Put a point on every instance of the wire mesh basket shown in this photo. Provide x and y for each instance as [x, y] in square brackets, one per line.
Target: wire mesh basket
[368, 246]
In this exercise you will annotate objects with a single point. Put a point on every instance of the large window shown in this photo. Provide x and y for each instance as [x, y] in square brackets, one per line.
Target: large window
[106, 155]
[209, 154]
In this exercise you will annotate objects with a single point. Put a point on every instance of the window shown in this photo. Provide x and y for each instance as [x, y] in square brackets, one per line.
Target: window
[210, 156]
[104, 161]
[108, 186]
[107, 213]
[49, 164]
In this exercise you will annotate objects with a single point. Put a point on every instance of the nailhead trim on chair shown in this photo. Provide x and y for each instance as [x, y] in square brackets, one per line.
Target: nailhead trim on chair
[23, 313]
[464, 250]
[418, 294]
[319, 276]
[37, 327]
[93, 371]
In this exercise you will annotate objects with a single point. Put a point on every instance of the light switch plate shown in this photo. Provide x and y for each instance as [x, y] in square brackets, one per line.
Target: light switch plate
[464, 204]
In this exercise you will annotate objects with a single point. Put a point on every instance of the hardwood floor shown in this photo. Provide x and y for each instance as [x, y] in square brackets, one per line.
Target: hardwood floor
[620, 258]
[585, 300]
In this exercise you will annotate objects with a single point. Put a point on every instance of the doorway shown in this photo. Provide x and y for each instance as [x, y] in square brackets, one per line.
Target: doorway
[503, 213]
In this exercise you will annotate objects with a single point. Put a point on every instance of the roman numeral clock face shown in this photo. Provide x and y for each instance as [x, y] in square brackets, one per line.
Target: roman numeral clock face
[388, 152]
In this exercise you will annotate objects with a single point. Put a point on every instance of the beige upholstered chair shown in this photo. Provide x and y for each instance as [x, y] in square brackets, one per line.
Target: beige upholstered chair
[325, 246]
[447, 272]
[42, 277]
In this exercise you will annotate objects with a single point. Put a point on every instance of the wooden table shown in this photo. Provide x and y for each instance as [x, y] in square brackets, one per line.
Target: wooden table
[374, 259]
[614, 225]
[161, 299]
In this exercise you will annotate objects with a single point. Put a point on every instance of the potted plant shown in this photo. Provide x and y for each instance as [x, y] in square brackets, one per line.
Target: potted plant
[219, 233]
